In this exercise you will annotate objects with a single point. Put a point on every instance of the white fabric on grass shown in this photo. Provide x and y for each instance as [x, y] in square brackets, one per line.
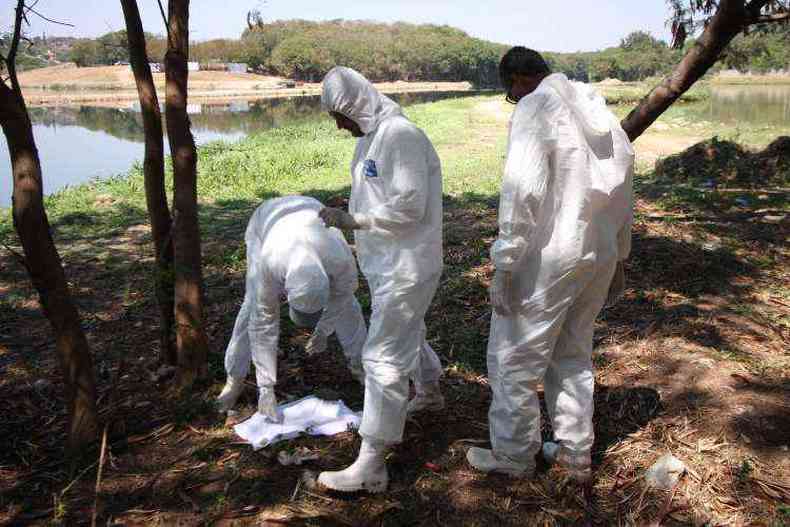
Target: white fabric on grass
[309, 415]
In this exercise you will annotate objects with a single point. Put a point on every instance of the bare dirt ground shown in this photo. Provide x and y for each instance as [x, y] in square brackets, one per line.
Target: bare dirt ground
[113, 85]
[694, 361]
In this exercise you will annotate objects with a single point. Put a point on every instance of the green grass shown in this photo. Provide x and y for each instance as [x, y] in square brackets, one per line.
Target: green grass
[308, 158]
[632, 92]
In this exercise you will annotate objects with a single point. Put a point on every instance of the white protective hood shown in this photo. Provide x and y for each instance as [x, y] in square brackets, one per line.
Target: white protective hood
[347, 92]
[595, 122]
[587, 106]
[303, 248]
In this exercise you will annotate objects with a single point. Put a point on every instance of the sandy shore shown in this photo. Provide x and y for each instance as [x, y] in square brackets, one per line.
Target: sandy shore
[114, 86]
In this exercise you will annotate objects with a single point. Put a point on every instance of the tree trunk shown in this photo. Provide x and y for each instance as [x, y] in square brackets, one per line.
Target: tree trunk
[191, 342]
[154, 174]
[45, 269]
[730, 19]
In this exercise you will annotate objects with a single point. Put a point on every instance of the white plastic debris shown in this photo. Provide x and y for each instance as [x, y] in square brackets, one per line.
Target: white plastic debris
[297, 457]
[665, 472]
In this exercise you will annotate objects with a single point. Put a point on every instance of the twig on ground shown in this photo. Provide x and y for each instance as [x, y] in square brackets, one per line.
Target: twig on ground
[99, 475]
[296, 489]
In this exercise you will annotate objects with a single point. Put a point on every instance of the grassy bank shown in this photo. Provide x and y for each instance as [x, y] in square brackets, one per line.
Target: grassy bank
[616, 92]
[693, 360]
[747, 79]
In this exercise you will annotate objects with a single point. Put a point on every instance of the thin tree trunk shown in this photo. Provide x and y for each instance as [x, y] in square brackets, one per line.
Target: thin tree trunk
[154, 173]
[45, 269]
[191, 342]
[730, 19]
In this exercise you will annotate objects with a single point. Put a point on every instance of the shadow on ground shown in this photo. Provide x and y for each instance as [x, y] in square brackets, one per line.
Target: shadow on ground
[668, 359]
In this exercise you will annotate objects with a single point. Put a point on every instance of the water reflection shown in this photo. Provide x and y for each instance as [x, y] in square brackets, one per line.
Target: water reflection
[232, 118]
[766, 104]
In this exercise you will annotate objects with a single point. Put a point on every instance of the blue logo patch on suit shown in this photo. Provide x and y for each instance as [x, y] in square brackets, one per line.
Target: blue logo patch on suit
[370, 168]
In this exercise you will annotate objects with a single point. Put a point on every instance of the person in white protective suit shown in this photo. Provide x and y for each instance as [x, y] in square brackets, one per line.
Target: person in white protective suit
[291, 254]
[565, 217]
[395, 211]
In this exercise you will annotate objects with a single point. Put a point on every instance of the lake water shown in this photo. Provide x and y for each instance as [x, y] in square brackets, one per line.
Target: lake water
[81, 143]
[766, 104]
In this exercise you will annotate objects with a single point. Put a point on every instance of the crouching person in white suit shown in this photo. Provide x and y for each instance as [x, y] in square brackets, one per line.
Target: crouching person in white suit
[292, 255]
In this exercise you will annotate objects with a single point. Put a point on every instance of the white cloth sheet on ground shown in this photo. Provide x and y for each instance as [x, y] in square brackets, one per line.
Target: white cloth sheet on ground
[309, 415]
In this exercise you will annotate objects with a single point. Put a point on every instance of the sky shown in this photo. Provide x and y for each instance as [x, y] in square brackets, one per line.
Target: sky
[569, 25]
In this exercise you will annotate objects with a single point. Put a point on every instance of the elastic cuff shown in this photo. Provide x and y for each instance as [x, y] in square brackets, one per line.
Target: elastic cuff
[363, 220]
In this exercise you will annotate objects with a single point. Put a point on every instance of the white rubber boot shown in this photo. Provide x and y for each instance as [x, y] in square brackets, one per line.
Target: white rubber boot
[428, 398]
[577, 465]
[230, 394]
[368, 472]
[483, 460]
[267, 404]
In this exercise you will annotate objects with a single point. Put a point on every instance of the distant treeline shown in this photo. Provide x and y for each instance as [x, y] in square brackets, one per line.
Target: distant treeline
[640, 56]
[304, 50]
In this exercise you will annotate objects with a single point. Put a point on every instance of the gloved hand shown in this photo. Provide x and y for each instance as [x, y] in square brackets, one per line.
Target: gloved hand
[338, 218]
[316, 344]
[617, 286]
[501, 292]
[267, 403]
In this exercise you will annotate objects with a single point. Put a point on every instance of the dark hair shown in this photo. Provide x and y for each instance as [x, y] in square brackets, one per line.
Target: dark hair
[522, 61]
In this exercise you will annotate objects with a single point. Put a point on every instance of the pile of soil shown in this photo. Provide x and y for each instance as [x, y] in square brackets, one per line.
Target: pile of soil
[726, 163]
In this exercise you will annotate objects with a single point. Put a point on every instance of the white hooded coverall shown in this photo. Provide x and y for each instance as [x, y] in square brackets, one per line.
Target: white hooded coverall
[396, 197]
[290, 253]
[565, 219]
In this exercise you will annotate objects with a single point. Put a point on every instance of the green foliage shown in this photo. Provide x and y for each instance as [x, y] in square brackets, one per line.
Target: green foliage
[638, 57]
[85, 52]
[105, 50]
[111, 48]
[760, 51]
[26, 57]
[641, 56]
[306, 50]
[382, 52]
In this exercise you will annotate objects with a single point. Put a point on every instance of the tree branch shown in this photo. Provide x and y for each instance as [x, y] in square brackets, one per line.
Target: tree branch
[772, 19]
[164, 19]
[30, 9]
[10, 62]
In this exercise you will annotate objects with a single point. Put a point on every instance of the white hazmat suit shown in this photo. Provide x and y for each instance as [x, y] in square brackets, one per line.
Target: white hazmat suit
[396, 203]
[565, 219]
[291, 254]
